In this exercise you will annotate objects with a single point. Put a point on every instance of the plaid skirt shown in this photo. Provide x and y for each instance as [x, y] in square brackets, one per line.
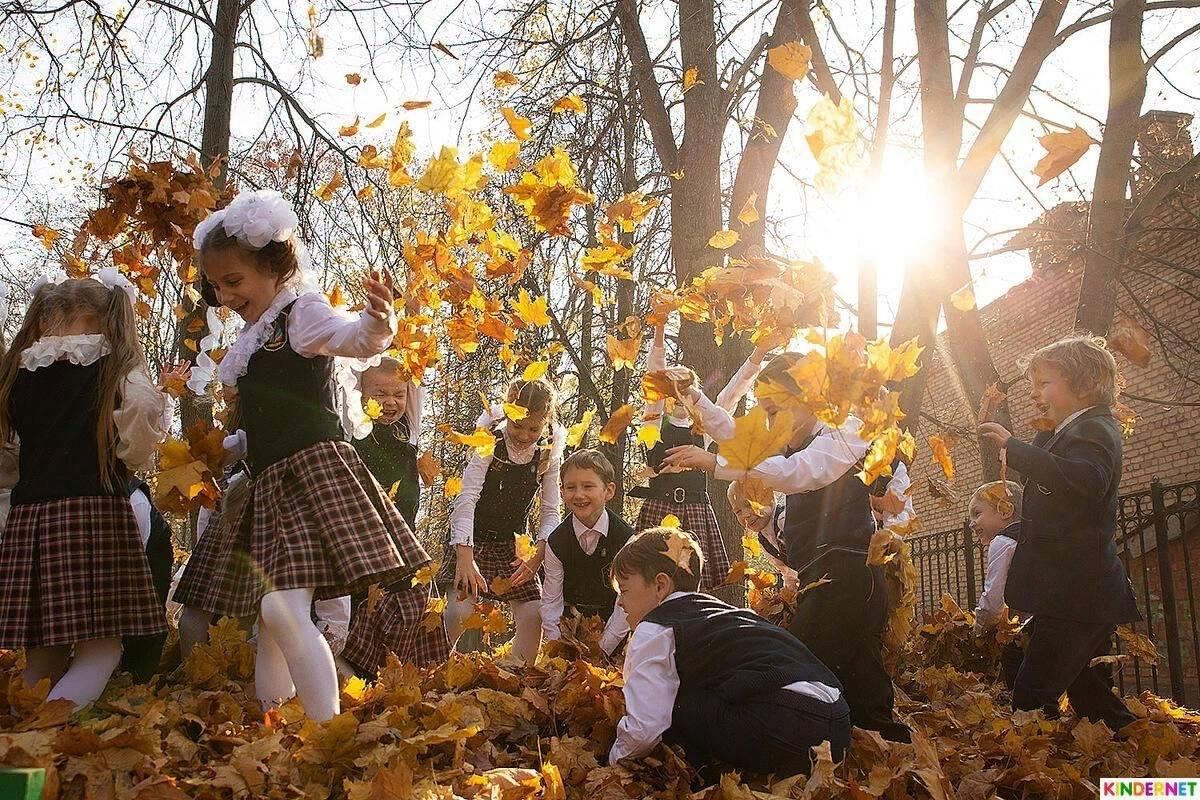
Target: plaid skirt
[395, 625]
[73, 570]
[700, 521]
[494, 560]
[316, 519]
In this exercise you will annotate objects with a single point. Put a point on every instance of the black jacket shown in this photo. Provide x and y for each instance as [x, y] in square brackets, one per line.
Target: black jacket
[1066, 562]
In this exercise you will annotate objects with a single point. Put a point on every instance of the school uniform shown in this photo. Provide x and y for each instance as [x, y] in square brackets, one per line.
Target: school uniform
[1065, 571]
[496, 503]
[729, 687]
[827, 530]
[897, 484]
[314, 517]
[140, 655]
[72, 567]
[390, 453]
[578, 570]
[990, 609]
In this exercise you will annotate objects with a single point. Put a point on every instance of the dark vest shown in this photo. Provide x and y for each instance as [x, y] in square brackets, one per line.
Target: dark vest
[507, 496]
[586, 578]
[286, 401]
[392, 459]
[733, 651]
[54, 411]
[690, 486]
[767, 545]
[834, 518]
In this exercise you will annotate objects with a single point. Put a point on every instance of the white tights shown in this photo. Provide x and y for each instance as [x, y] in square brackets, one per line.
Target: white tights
[293, 657]
[527, 618]
[86, 674]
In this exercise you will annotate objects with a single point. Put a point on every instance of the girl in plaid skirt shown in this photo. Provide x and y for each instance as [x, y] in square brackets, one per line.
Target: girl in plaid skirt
[494, 506]
[73, 575]
[395, 622]
[315, 523]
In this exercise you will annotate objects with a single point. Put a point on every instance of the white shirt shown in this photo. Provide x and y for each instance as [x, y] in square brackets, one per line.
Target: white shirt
[1071, 418]
[553, 604]
[899, 487]
[990, 608]
[728, 398]
[462, 516]
[333, 620]
[652, 682]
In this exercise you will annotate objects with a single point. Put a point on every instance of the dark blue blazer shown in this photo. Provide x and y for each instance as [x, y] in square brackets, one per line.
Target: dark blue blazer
[1066, 562]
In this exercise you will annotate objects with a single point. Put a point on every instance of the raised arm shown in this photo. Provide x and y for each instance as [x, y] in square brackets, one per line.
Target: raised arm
[318, 329]
[822, 462]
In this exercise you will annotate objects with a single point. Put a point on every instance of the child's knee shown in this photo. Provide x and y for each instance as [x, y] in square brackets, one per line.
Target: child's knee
[285, 610]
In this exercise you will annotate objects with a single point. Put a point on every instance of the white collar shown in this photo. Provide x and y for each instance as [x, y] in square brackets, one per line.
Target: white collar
[600, 527]
[251, 339]
[1072, 418]
[80, 349]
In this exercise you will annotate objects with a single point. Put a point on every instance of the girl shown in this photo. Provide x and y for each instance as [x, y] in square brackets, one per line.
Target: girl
[73, 574]
[315, 523]
[494, 506]
[394, 623]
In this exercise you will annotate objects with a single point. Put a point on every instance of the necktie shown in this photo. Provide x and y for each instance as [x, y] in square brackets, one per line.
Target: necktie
[589, 540]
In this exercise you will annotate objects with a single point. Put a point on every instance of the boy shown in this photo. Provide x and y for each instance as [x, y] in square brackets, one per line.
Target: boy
[580, 551]
[995, 518]
[723, 682]
[766, 525]
[1065, 571]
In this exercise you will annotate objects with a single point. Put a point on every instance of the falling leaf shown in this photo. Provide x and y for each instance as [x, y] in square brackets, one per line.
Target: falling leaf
[617, 423]
[576, 432]
[505, 155]
[1062, 151]
[533, 312]
[520, 126]
[989, 404]
[428, 468]
[790, 60]
[572, 103]
[753, 440]
[680, 548]
[365, 193]
[964, 298]
[354, 79]
[535, 370]
[335, 296]
[504, 79]
[832, 138]
[48, 236]
[482, 441]
[326, 191]
[670, 521]
[1137, 645]
[373, 409]
[649, 435]
[623, 352]
[415, 105]
[749, 213]
[515, 412]
[630, 209]
[1130, 339]
[426, 574]
[723, 240]
[940, 448]
[375, 123]
[442, 48]
[691, 78]
[454, 486]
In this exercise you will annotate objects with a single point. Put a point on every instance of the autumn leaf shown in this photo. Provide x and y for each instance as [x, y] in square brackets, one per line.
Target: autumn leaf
[515, 412]
[454, 487]
[833, 140]
[749, 213]
[649, 435]
[576, 432]
[940, 449]
[989, 404]
[1130, 339]
[670, 521]
[623, 352]
[1062, 151]
[520, 126]
[48, 236]
[415, 105]
[680, 549]
[571, 103]
[630, 209]
[964, 298]
[373, 409]
[526, 549]
[691, 79]
[349, 130]
[1137, 645]
[325, 192]
[402, 153]
[723, 240]
[335, 296]
[533, 312]
[375, 123]
[444, 175]
[535, 370]
[790, 60]
[354, 79]
[482, 441]
[504, 79]
[505, 155]
[753, 440]
[617, 423]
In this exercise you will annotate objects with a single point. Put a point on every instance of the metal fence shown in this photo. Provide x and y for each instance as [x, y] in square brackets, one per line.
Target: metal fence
[1159, 543]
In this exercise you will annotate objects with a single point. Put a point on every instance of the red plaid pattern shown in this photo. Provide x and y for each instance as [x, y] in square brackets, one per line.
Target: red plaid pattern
[315, 519]
[699, 520]
[73, 570]
[394, 626]
[494, 560]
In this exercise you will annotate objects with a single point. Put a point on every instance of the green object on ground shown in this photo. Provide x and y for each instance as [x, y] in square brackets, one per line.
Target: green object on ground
[22, 784]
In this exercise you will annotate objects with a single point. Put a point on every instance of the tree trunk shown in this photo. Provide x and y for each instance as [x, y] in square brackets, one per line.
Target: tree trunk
[1106, 246]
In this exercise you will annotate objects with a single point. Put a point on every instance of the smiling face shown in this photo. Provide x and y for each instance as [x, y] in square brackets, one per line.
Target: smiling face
[385, 386]
[526, 431]
[1052, 393]
[986, 521]
[241, 284]
[585, 493]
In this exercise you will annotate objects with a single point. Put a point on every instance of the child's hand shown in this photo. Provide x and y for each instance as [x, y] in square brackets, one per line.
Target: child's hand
[379, 295]
[995, 433]
[527, 570]
[766, 344]
[173, 380]
[689, 456]
[467, 577]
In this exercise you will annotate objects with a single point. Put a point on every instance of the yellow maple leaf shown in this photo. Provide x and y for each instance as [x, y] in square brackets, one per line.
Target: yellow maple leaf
[569, 103]
[723, 240]
[526, 549]
[349, 130]
[515, 412]
[325, 192]
[964, 298]
[444, 175]
[623, 352]
[454, 486]
[505, 155]
[520, 126]
[752, 545]
[426, 574]
[940, 447]
[691, 78]
[630, 209]
[754, 440]
[617, 423]
[833, 139]
[670, 521]
[365, 193]
[535, 370]
[373, 409]
[369, 158]
[790, 60]
[482, 441]
[749, 213]
[532, 312]
[1062, 151]
[576, 432]
[403, 150]
[649, 435]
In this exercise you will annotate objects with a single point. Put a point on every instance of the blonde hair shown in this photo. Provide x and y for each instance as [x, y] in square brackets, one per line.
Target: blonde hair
[646, 555]
[993, 491]
[1086, 363]
[537, 396]
[56, 304]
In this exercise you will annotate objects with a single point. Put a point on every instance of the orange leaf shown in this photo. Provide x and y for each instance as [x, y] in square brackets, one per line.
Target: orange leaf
[623, 352]
[1062, 151]
[691, 78]
[414, 105]
[349, 130]
[790, 60]
[520, 126]
[940, 446]
[1130, 339]
[354, 79]
[617, 423]
[47, 235]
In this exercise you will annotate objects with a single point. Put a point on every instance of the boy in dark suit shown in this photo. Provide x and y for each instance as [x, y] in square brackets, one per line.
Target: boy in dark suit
[721, 681]
[1065, 571]
[579, 552]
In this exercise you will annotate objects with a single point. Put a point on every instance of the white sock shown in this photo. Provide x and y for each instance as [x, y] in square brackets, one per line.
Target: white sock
[455, 615]
[45, 662]
[527, 619]
[272, 678]
[287, 618]
[94, 663]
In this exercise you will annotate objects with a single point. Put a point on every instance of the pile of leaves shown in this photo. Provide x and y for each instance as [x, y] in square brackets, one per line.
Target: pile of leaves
[479, 727]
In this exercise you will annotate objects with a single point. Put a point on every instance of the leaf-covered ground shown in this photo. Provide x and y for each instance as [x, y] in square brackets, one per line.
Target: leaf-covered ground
[478, 728]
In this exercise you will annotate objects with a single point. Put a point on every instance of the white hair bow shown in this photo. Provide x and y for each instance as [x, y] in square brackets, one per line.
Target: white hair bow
[112, 278]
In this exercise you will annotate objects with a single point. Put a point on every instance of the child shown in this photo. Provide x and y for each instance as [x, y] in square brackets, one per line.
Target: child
[395, 623]
[390, 449]
[1065, 571]
[494, 507]
[73, 575]
[723, 682]
[995, 518]
[827, 530]
[767, 525]
[685, 493]
[580, 551]
[315, 524]
[142, 653]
